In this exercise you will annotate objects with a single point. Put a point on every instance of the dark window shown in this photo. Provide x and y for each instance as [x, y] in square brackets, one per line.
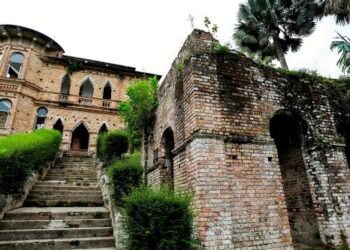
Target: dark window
[65, 86]
[58, 125]
[5, 108]
[103, 129]
[86, 89]
[40, 118]
[15, 65]
[107, 91]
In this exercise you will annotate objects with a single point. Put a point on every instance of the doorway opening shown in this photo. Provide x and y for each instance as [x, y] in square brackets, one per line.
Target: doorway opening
[80, 139]
[287, 132]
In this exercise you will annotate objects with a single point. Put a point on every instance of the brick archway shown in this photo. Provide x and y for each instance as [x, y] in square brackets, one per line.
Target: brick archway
[288, 135]
[80, 139]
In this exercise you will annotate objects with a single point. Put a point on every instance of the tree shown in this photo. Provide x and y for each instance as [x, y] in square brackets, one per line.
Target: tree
[138, 111]
[339, 8]
[342, 44]
[270, 28]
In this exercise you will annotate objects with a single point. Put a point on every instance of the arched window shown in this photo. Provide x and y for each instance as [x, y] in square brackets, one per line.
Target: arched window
[40, 118]
[5, 108]
[167, 146]
[0, 57]
[65, 86]
[15, 65]
[107, 91]
[58, 125]
[103, 129]
[86, 88]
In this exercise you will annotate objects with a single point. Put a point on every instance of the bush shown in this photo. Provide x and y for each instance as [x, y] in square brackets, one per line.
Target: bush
[21, 153]
[112, 145]
[125, 175]
[157, 220]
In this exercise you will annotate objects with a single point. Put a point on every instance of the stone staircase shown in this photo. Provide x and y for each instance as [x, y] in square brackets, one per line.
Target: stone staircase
[65, 211]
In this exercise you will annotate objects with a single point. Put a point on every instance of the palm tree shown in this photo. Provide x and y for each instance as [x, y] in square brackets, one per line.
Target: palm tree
[343, 47]
[270, 28]
[339, 8]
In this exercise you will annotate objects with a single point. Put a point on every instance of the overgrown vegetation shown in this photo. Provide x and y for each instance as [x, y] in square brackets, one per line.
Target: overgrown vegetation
[218, 48]
[157, 219]
[111, 145]
[20, 154]
[125, 175]
[138, 112]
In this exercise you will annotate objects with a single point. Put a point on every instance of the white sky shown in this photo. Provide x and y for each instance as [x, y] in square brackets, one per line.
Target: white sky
[147, 34]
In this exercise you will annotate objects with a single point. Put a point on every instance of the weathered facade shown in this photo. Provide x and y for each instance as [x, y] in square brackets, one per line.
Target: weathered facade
[257, 147]
[41, 87]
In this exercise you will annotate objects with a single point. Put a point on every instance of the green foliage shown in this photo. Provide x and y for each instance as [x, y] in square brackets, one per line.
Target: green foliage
[112, 145]
[158, 220]
[125, 175]
[181, 65]
[220, 49]
[20, 154]
[342, 45]
[138, 111]
[319, 138]
[271, 28]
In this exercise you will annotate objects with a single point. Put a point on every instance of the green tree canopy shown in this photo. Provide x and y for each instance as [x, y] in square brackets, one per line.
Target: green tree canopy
[342, 44]
[338, 8]
[138, 111]
[270, 28]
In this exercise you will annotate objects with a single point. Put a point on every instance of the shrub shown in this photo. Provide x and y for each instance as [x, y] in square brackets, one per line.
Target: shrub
[125, 174]
[112, 145]
[157, 220]
[21, 153]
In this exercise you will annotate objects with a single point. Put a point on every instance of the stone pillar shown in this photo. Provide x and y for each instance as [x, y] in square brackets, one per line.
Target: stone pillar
[329, 179]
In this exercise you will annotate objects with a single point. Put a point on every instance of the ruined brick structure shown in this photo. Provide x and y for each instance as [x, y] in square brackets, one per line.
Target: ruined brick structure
[41, 87]
[257, 147]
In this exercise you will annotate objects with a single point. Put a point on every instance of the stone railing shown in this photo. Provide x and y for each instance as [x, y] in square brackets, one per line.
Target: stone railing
[81, 100]
[8, 87]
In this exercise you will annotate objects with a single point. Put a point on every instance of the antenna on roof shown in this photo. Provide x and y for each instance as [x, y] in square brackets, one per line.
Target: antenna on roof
[191, 19]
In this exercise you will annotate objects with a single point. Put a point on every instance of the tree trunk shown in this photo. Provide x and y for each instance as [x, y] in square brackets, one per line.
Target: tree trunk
[280, 54]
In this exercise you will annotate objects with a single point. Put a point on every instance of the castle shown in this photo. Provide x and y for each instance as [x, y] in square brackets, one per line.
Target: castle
[259, 149]
[42, 87]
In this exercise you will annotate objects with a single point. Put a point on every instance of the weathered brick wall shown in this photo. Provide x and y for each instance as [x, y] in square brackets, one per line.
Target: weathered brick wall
[219, 108]
[39, 85]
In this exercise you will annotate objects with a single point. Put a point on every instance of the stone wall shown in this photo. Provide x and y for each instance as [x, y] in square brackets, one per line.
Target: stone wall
[220, 109]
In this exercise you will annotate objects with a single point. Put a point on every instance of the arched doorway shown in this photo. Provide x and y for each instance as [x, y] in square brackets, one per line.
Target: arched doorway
[168, 145]
[103, 129]
[58, 126]
[80, 139]
[287, 131]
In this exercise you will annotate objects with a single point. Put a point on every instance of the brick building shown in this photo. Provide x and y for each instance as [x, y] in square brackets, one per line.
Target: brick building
[258, 147]
[42, 87]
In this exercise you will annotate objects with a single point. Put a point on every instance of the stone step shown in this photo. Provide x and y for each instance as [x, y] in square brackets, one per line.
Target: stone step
[49, 244]
[73, 178]
[69, 183]
[73, 168]
[66, 202]
[61, 187]
[65, 192]
[31, 234]
[72, 171]
[45, 224]
[57, 213]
